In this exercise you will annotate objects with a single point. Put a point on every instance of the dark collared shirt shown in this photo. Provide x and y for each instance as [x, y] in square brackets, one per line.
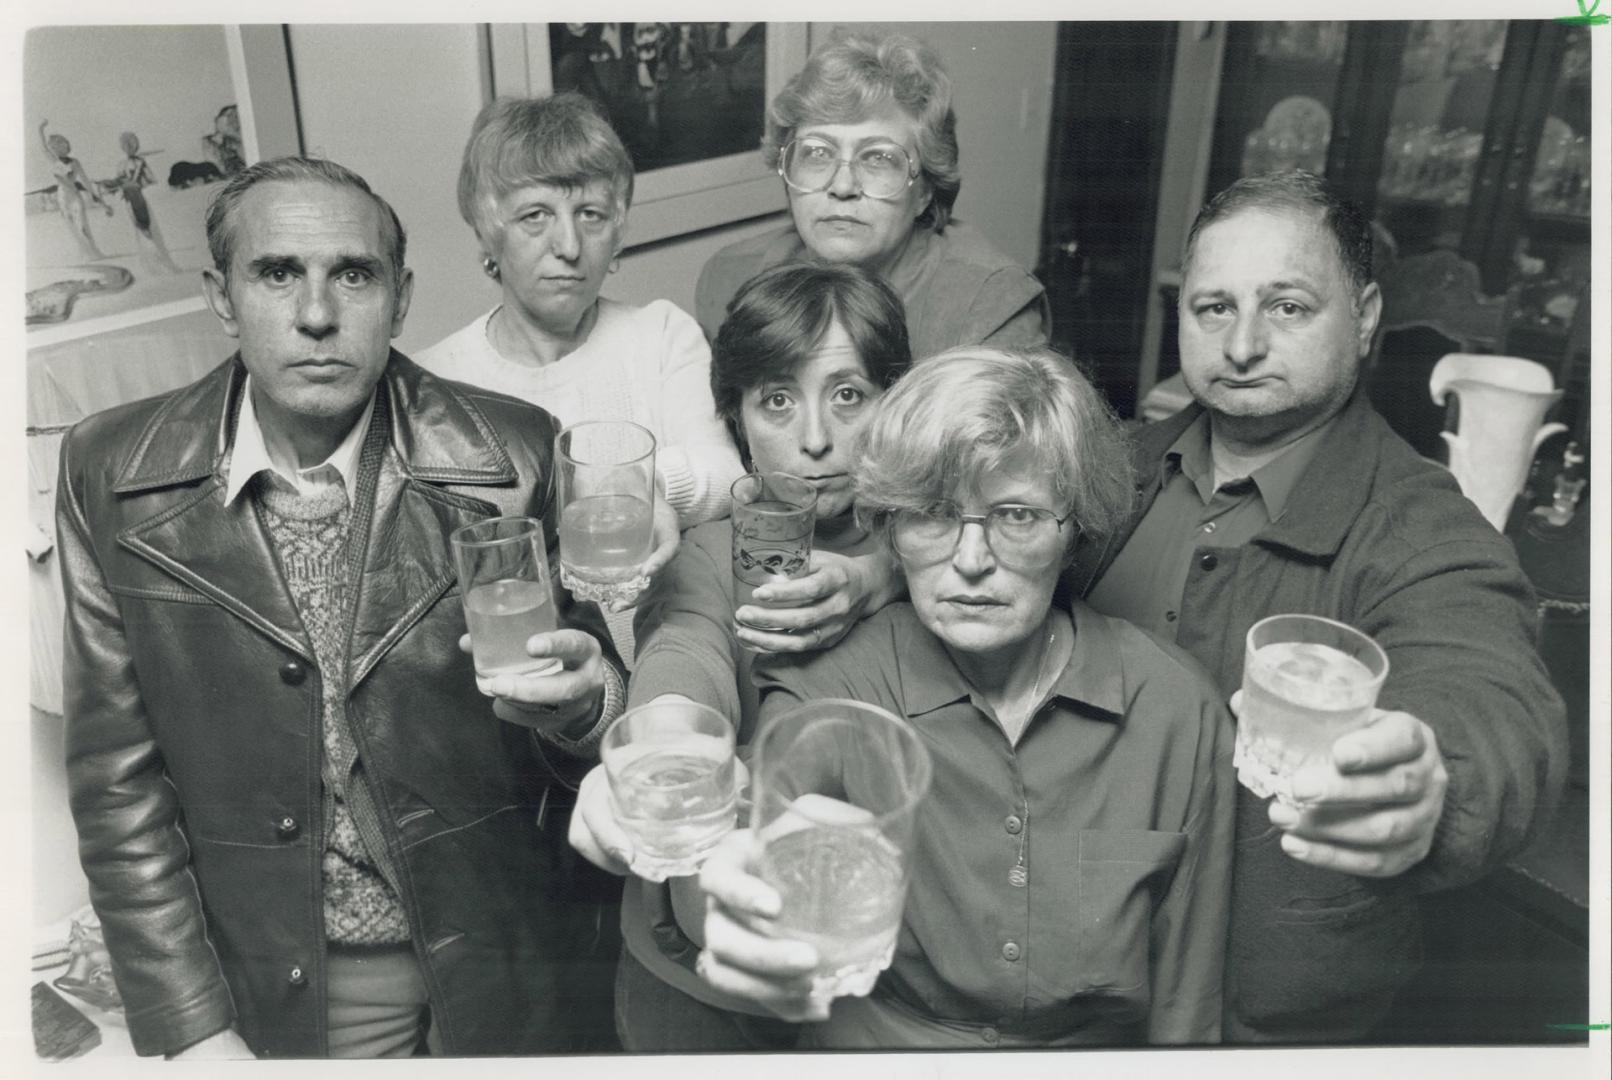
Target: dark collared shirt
[1115, 809]
[1147, 579]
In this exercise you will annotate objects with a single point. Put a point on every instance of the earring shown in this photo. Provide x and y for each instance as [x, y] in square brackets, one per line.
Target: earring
[615, 263]
[489, 266]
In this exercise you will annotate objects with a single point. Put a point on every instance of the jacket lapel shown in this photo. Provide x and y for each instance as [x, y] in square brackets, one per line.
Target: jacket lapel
[436, 434]
[221, 551]
[432, 435]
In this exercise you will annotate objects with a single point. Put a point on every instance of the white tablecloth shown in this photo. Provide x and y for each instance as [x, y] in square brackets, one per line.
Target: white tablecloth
[67, 382]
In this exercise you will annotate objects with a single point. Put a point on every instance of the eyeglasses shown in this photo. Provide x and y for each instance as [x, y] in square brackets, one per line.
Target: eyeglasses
[1024, 537]
[883, 171]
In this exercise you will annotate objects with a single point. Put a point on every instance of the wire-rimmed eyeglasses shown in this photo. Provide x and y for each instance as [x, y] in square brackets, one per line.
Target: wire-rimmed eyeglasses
[881, 171]
[1026, 537]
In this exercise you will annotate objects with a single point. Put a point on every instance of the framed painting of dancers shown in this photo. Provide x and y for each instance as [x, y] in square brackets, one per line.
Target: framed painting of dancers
[129, 131]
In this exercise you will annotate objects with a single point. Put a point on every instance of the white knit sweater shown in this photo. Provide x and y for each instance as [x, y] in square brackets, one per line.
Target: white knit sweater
[647, 364]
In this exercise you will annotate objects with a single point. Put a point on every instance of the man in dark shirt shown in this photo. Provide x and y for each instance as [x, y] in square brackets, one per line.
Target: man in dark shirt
[1281, 490]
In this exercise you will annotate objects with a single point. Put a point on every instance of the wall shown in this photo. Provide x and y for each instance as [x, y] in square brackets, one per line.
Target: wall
[396, 104]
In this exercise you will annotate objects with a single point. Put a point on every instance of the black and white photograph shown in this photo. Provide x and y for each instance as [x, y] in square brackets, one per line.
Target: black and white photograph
[588, 546]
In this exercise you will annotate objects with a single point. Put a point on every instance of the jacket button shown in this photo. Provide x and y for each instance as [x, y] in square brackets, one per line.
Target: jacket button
[1010, 951]
[292, 673]
[288, 828]
[1209, 562]
[297, 977]
[1013, 824]
[991, 1036]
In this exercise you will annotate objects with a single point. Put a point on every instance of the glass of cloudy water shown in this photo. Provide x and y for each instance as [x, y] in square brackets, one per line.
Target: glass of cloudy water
[607, 503]
[673, 783]
[504, 579]
[835, 789]
[774, 514]
[1306, 681]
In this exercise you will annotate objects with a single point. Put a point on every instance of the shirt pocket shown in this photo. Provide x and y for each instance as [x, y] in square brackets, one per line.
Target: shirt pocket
[1121, 876]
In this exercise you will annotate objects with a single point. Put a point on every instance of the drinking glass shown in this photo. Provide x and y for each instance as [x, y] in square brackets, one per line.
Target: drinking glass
[835, 788]
[774, 514]
[1306, 681]
[673, 783]
[607, 501]
[504, 579]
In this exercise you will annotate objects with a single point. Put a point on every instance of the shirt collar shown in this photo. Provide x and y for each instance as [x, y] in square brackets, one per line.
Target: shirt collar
[1092, 679]
[250, 454]
[1189, 455]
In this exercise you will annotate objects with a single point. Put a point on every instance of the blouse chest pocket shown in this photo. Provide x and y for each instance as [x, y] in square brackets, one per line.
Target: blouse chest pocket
[1122, 875]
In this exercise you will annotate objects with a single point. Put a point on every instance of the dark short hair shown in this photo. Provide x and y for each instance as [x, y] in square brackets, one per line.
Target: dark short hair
[223, 205]
[564, 140]
[1296, 189]
[778, 317]
[855, 75]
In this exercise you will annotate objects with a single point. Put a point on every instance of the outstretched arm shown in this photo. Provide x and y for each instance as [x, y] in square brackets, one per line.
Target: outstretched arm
[90, 186]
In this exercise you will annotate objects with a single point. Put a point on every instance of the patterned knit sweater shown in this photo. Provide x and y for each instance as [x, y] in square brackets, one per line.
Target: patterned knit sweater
[360, 907]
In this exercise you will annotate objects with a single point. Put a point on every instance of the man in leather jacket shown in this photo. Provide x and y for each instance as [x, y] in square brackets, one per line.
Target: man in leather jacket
[306, 831]
[1281, 490]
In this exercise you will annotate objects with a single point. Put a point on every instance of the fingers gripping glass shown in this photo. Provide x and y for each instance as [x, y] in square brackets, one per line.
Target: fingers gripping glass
[881, 172]
[1021, 536]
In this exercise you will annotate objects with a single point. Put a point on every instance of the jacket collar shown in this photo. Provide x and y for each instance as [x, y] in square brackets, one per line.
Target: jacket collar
[1092, 679]
[1333, 490]
[437, 431]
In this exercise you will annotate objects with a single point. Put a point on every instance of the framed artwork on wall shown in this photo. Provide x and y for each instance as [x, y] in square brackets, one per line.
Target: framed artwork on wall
[130, 129]
[689, 100]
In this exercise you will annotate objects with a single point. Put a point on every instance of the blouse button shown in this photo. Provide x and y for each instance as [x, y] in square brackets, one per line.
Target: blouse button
[292, 673]
[1013, 824]
[1010, 951]
[1209, 528]
[1209, 562]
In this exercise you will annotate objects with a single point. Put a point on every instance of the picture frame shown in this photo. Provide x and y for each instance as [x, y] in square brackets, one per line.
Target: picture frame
[728, 185]
[154, 239]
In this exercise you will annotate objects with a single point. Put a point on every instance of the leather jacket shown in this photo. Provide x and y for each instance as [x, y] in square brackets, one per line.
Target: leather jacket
[193, 715]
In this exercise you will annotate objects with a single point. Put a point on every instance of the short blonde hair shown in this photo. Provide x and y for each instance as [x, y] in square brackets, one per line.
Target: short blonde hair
[856, 75]
[963, 412]
[564, 140]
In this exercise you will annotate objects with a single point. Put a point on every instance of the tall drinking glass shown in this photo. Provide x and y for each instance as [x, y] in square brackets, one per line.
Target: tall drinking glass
[1306, 681]
[607, 501]
[504, 579]
[836, 787]
[774, 514]
[673, 782]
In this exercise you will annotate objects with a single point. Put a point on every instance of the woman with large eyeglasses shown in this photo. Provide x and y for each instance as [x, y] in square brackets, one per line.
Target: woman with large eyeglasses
[865, 141]
[1072, 859]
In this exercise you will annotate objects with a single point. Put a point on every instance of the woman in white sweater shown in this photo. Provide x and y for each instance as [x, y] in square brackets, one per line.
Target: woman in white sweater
[545, 184]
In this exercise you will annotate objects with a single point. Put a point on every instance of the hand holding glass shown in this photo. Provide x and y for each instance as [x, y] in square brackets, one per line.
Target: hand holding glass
[672, 783]
[504, 579]
[836, 788]
[607, 498]
[774, 515]
[1306, 681]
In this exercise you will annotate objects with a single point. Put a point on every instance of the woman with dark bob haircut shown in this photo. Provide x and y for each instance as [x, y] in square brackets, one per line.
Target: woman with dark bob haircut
[864, 140]
[804, 354]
